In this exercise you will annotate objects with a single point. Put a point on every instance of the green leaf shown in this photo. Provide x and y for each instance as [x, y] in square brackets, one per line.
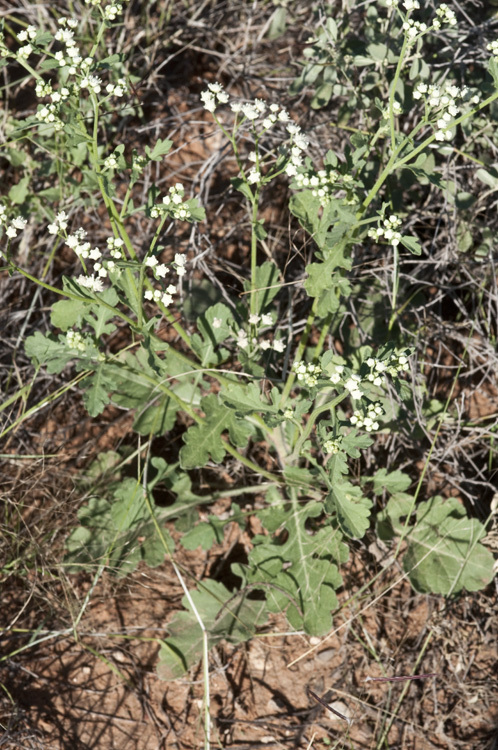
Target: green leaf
[322, 95]
[18, 193]
[49, 351]
[493, 69]
[197, 212]
[204, 534]
[247, 399]
[395, 481]
[118, 532]
[411, 244]
[203, 441]
[487, 177]
[297, 574]
[444, 555]
[327, 283]
[135, 384]
[214, 327]
[278, 23]
[73, 312]
[267, 285]
[161, 148]
[242, 186]
[96, 394]
[224, 616]
[69, 313]
[353, 510]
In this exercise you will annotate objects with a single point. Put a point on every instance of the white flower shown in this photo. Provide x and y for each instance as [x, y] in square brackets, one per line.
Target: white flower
[213, 96]
[19, 222]
[250, 111]
[267, 319]
[24, 52]
[279, 345]
[151, 261]
[161, 270]
[254, 319]
[254, 176]
[242, 339]
[217, 322]
[90, 282]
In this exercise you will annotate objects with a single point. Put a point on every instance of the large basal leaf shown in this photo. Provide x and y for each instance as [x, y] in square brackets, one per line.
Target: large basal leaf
[135, 384]
[296, 569]
[224, 616]
[444, 554]
[118, 532]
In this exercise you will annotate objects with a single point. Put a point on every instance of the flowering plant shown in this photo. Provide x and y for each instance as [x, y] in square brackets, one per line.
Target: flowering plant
[243, 374]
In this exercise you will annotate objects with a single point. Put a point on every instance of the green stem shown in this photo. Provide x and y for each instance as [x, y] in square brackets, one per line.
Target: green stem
[70, 295]
[299, 353]
[330, 406]
[254, 252]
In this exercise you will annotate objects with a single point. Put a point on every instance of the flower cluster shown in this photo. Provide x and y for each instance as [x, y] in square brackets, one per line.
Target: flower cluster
[444, 100]
[298, 144]
[173, 204]
[84, 251]
[388, 231]
[59, 224]
[321, 183]
[269, 115]
[242, 341]
[413, 29]
[307, 373]
[393, 365]
[444, 14]
[71, 59]
[368, 418]
[110, 11]
[409, 5]
[213, 96]
[161, 269]
[332, 445]
[75, 340]
[352, 385]
[336, 376]
[12, 227]
[115, 247]
[26, 35]
[156, 295]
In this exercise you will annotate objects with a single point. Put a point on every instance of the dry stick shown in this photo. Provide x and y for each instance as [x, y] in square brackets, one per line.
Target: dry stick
[400, 679]
[329, 708]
